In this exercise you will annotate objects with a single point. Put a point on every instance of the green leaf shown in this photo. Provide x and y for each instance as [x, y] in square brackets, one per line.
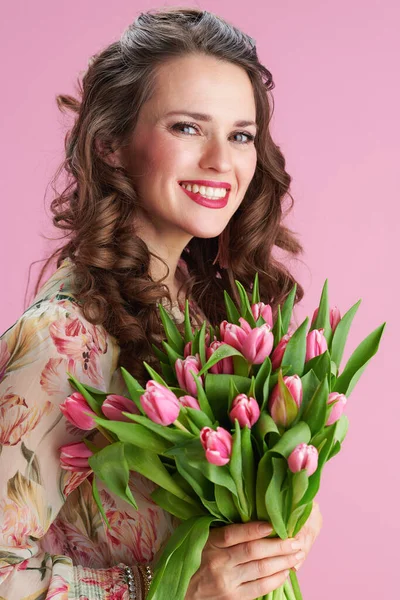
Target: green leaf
[110, 465]
[322, 321]
[202, 399]
[162, 357]
[135, 434]
[202, 343]
[171, 353]
[321, 365]
[265, 425]
[99, 504]
[134, 388]
[274, 499]
[315, 415]
[249, 471]
[188, 326]
[287, 309]
[180, 559]
[232, 312]
[226, 504]
[341, 332]
[295, 352]
[174, 337]
[262, 383]
[236, 470]
[199, 418]
[224, 351]
[154, 375]
[94, 404]
[149, 464]
[314, 480]
[299, 485]
[358, 361]
[245, 307]
[255, 297]
[176, 506]
[310, 383]
[171, 434]
[298, 434]
[217, 389]
[263, 479]
[277, 329]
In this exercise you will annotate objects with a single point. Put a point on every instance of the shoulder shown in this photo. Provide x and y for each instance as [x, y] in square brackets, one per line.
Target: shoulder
[54, 336]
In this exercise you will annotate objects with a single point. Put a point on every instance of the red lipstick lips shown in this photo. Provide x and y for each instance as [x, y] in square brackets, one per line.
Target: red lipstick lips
[199, 199]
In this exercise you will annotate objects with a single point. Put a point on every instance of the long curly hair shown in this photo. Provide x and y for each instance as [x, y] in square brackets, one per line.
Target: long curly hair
[97, 206]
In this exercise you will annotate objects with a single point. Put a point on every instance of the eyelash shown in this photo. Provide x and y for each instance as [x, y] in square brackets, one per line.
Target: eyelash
[249, 136]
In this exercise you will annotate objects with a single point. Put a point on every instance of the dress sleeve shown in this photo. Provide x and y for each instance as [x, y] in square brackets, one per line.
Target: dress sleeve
[35, 356]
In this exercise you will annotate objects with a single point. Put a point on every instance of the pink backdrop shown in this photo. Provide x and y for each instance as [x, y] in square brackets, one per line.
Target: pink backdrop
[336, 119]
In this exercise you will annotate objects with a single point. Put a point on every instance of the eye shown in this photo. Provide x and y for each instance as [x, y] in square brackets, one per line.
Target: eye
[184, 125]
[249, 137]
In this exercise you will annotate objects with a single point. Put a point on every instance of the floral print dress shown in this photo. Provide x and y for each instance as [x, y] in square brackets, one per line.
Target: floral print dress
[53, 541]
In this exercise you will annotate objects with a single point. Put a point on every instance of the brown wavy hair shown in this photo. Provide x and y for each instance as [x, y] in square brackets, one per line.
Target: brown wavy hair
[96, 209]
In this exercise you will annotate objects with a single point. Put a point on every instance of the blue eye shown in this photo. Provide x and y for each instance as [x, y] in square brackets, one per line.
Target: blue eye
[184, 125]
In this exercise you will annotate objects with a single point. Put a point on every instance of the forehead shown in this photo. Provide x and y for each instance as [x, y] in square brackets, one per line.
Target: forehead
[203, 84]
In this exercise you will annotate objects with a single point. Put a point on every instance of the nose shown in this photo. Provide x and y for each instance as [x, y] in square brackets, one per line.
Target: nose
[216, 155]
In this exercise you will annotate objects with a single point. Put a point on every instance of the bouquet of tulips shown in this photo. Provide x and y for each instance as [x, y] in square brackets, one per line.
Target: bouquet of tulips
[237, 425]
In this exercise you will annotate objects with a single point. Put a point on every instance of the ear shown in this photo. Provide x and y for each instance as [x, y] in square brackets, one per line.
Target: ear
[106, 152]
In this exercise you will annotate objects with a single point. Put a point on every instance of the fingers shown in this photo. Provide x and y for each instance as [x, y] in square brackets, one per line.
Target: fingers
[266, 567]
[231, 535]
[262, 587]
[262, 548]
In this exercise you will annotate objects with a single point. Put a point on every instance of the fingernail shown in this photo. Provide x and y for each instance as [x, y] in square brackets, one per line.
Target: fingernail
[265, 528]
[300, 555]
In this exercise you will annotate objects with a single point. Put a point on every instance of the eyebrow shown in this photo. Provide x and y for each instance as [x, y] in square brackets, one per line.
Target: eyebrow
[208, 118]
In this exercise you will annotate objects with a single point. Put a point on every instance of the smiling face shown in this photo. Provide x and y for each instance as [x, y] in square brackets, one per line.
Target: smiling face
[208, 139]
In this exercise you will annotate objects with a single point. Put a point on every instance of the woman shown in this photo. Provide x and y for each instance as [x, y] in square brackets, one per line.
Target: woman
[175, 190]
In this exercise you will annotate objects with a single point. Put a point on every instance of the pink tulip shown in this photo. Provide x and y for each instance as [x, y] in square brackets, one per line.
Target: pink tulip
[262, 310]
[78, 412]
[159, 403]
[304, 457]
[316, 344]
[223, 366]
[245, 409]
[217, 444]
[187, 350]
[277, 355]
[277, 403]
[184, 376]
[234, 336]
[74, 457]
[334, 317]
[339, 401]
[189, 402]
[258, 344]
[114, 405]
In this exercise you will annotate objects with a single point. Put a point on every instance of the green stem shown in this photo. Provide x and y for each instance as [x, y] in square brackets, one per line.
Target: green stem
[289, 593]
[295, 584]
[180, 426]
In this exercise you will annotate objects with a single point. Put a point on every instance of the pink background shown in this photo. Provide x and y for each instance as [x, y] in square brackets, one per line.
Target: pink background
[335, 67]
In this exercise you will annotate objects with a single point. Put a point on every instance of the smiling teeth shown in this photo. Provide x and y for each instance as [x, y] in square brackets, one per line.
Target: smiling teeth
[206, 191]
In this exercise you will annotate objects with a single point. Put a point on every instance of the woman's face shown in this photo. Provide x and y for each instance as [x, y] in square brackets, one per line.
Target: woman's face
[217, 148]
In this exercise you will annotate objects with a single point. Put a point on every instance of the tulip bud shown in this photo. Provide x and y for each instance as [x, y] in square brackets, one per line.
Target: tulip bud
[187, 350]
[245, 410]
[159, 403]
[78, 412]
[217, 444]
[262, 310]
[74, 457]
[339, 402]
[316, 344]
[223, 366]
[334, 317]
[277, 355]
[258, 344]
[189, 402]
[234, 336]
[304, 457]
[286, 391]
[114, 405]
[184, 376]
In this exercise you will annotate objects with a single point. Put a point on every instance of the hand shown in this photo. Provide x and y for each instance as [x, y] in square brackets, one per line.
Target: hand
[309, 532]
[239, 563]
